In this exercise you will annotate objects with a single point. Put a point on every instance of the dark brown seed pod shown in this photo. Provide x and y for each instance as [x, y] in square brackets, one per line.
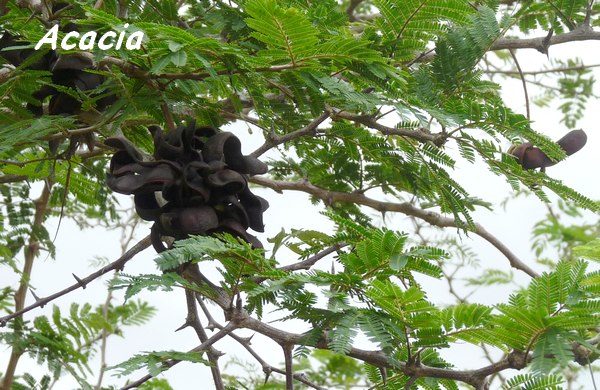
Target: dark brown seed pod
[573, 141]
[67, 71]
[196, 184]
[531, 157]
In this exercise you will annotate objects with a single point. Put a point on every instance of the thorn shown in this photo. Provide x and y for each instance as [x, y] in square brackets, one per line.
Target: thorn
[211, 325]
[246, 340]
[78, 279]
[185, 325]
[383, 372]
[267, 371]
[546, 43]
[216, 353]
[37, 299]
[238, 302]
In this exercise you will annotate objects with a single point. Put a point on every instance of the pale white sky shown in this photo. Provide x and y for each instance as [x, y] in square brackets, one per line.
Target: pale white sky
[76, 249]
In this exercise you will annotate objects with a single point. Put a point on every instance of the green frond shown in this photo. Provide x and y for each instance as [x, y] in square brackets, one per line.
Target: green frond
[531, 382]
[408, 25]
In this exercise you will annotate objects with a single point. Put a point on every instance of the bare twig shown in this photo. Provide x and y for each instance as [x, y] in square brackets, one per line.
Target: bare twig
[523, 81]
[543, 71]
[245, 342]
[128, 229]
[406, 208]
[305, 264]
[213, 355]
[274, 140]
[422, 135]
[289, 366]
[82, 282]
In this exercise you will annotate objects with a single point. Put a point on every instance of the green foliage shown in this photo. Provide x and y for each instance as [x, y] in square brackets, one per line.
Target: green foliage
[407, 26]
[65, 343]
[156, 362]
[408, 98]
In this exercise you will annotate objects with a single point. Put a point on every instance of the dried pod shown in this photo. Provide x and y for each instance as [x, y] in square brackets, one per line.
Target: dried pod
[67, 71]
[199, 175]
[531, 157]
[573, 141]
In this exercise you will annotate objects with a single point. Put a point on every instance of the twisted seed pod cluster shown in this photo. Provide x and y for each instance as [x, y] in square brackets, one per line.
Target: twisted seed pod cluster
[196, 184]
[67, 71]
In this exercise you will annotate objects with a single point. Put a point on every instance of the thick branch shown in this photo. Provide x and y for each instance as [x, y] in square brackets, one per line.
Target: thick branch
[476, 378]
[213, 355]
[406, 208]
[581, 33]
[31, 251]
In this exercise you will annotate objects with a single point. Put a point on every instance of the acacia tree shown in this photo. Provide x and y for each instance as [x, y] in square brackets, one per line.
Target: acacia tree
[362, 105]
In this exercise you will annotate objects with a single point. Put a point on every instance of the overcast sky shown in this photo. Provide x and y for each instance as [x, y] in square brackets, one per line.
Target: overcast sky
[76, 249]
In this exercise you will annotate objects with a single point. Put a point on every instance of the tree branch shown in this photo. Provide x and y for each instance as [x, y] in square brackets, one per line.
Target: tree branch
[541, 44]
[543, 71]
[422, 135]
[275, 140]
[581, 33]
[406, 208]
[304, 264]
[475, 378]
[194, 321]
[523, 82]
[350, 10]
[81, 283]
[31, 251]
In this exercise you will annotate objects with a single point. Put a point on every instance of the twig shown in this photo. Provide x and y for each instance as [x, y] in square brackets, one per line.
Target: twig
[274, 140]
[369, 121]
[245, 342]
[289, 367]
[306, 264]
[201, 348]
[404, 208]
[12, 178]
[523, 81]
[350, 10]
[543, 71]
[116, 265]
[212, 354]
[130, 224]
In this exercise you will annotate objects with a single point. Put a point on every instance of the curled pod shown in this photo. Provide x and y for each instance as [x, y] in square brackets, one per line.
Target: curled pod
[573, 141]
[531, 157]
[228, 148]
